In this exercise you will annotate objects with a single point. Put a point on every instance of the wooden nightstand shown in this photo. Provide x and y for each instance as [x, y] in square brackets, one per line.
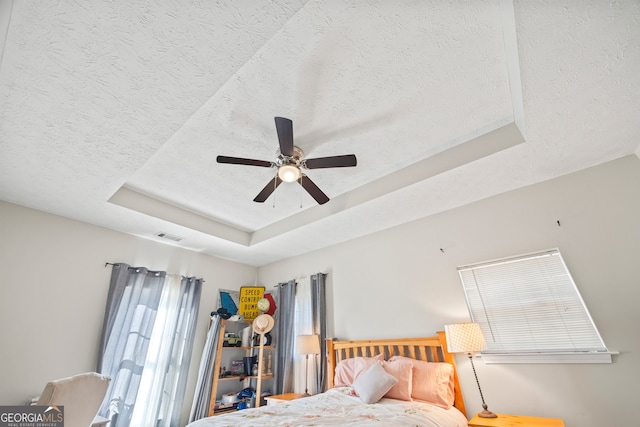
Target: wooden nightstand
[505, 420]
[281, 398]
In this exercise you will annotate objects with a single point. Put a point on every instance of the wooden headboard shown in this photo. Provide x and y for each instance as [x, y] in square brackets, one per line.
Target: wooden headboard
[430, 349]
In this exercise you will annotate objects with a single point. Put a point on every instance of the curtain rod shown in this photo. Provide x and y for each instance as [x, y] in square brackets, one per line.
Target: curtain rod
[299, 278]
[152, 271]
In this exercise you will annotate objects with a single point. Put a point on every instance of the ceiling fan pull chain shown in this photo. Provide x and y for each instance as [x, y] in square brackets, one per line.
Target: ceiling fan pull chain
[275, 185]
[300, 191]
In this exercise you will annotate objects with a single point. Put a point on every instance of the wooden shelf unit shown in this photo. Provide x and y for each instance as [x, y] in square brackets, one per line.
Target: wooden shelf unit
[248, 351]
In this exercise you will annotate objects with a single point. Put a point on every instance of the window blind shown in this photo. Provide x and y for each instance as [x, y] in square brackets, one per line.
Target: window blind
[529, 304]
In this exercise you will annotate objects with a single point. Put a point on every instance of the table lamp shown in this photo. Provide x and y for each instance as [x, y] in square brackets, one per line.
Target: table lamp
[468, 338]
[307, 344]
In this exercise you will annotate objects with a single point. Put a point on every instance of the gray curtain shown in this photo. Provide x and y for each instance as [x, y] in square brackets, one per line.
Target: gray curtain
[202, 396]
[319, 314]
[283, 361]
[132, 308]
[184, 329]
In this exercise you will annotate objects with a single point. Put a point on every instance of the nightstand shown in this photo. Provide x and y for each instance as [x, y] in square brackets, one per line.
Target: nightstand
[505, 420]
[281, 398]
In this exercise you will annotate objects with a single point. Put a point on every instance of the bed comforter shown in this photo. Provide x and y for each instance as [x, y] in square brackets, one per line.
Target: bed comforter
[337, 407]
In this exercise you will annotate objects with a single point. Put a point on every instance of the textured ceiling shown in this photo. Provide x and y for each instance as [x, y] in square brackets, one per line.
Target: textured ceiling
[114, 114]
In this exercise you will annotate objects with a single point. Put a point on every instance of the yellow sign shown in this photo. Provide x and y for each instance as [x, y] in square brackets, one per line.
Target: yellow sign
[249, 296]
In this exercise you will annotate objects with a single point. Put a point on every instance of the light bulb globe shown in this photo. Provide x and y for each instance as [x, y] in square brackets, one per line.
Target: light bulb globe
[288, 173]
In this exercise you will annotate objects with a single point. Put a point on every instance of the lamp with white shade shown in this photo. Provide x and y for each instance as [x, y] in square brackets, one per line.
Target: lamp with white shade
[307, 344]
[468, 338]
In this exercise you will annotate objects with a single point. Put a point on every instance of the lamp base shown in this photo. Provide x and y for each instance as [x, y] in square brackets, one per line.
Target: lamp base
[485, 413]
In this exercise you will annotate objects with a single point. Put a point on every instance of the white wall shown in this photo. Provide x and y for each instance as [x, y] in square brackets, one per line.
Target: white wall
[53, 293]
[399, 283]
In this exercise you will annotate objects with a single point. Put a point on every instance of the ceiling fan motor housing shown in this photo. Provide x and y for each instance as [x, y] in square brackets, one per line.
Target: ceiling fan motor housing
[295, 159]
[289, 166]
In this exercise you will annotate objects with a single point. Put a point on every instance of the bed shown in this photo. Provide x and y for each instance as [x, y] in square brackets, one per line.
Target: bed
[425, 389]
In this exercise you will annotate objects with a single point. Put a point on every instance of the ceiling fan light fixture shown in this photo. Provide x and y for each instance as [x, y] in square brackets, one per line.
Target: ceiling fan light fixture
[290, 160]
[288, 173]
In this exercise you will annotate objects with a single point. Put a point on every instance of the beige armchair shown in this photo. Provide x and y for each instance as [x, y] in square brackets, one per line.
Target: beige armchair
[81, 395]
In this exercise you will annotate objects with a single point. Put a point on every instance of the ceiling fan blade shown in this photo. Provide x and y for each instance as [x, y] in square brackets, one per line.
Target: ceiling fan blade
[313, 190]
[268, 189]
[346, 160]
[285, 135]
[241, 161]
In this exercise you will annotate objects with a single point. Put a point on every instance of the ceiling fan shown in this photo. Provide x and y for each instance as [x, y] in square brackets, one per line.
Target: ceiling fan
[290, 161]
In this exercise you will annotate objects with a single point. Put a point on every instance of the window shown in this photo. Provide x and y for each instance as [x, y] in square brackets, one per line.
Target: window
[147, 341]
[530, 311]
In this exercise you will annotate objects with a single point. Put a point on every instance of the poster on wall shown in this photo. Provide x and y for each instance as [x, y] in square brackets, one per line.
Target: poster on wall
[229, 300]
[249, 296]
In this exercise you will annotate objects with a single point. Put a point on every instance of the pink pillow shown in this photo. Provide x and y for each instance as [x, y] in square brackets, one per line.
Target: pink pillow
[402, 371]
[348, 370]
[432, 382]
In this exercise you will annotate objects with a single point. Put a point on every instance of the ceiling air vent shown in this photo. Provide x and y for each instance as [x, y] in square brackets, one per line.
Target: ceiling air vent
[170, 237]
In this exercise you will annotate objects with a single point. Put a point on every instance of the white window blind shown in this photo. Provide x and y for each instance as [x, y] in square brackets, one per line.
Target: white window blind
[529, 304]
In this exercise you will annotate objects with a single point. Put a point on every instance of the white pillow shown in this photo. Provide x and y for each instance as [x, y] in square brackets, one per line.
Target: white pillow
[374, 383]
